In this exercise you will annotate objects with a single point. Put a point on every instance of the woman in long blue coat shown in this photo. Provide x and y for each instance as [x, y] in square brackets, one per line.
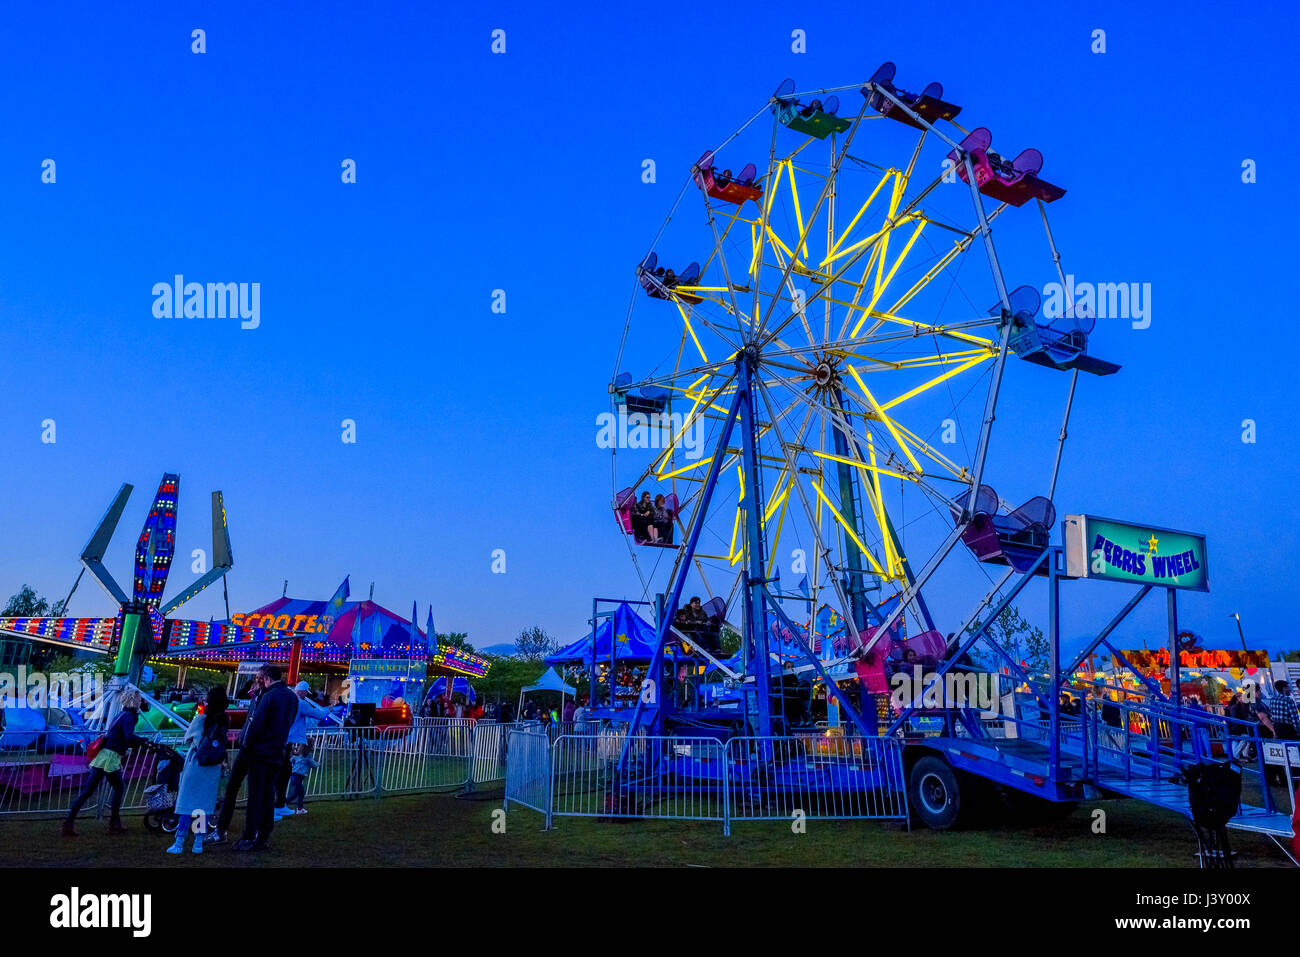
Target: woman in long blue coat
[197, 801]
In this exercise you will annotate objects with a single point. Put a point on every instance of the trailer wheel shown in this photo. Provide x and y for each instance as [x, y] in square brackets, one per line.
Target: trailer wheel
[935, 793]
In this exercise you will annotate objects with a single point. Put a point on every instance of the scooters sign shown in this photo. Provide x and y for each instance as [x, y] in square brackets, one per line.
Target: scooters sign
[308, 624]
[1142, 554]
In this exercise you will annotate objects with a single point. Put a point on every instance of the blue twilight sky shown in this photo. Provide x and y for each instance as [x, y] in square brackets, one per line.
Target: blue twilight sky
[521, 172]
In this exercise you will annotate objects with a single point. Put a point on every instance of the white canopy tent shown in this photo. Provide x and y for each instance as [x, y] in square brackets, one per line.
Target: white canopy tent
[549, 681]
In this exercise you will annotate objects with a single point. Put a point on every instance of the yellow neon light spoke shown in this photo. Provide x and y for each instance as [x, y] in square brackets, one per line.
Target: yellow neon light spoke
[958, 370]
[883, 284]
[861, 465]
[902, 445]
[830, 256]
[689, 328]
[798, 212]
[845, 525]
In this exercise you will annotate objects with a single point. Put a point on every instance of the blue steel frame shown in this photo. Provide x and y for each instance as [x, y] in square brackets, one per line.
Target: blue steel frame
[596, 616]
[653, 707]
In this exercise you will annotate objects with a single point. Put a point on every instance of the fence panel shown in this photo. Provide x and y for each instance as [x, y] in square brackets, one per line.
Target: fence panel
[433, 757]
[41, 772]
[663, 777]
[528, 772]
[490, 752]
[832, 778]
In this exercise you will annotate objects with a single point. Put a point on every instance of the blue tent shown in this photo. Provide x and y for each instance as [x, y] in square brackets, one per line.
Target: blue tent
[459, 685]
[629, 635]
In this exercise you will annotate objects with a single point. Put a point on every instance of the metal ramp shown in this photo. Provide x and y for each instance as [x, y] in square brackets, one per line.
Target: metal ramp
[1173, 797]
[1143, 758]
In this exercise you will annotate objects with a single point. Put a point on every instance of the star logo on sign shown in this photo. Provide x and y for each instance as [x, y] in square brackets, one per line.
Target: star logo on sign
[622, 638]
[1152, 542]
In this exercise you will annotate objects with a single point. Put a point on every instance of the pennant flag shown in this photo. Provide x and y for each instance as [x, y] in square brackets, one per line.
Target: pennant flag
[803, 586]
[776, 580]
[414, 642]
[430, 635]
[334, 607]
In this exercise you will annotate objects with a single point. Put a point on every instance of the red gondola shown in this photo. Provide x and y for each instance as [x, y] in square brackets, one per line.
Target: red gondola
[724, 186]
[1009, 181]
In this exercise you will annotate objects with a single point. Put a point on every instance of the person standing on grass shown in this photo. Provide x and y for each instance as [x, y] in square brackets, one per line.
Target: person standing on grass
[303, 763]
[197, 799]
[264, 741]
[107, 764]
[238, 769]
[307, 709]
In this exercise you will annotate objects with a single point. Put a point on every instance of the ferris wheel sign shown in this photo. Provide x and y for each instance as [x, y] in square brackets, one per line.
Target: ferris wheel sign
[1143, 554]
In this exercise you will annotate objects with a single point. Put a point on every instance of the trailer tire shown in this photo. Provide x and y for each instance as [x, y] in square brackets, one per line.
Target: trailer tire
[936, 794]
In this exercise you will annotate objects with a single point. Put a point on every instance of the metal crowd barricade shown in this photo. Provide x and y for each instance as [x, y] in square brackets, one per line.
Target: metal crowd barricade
[835, 777]
[528, 772]
[663, 777]
[342, 770]
[491, 740]
[433, 757]
[42, 771]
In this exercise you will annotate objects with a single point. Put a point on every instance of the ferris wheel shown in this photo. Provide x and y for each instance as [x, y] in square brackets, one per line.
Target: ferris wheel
[808, 377]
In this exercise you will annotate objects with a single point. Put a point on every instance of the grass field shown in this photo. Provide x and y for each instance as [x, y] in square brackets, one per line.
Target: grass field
[442, 830]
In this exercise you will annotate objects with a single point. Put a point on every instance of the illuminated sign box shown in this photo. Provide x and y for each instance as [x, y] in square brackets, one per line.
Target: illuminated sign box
[1139, 554]
[385, 667]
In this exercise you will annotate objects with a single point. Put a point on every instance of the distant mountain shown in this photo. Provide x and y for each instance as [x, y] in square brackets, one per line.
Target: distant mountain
[502, 649]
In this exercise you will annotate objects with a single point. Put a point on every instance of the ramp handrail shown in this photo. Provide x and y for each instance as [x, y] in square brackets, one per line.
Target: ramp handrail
[1167, 740]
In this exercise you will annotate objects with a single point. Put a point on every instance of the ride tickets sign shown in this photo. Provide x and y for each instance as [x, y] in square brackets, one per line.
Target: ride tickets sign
[385, 667]
[1142, 554]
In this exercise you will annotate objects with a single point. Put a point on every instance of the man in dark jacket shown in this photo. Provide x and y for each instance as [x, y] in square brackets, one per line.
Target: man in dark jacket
[263, 748]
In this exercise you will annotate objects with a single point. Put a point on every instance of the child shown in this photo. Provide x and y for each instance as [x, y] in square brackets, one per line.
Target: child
[302, 764]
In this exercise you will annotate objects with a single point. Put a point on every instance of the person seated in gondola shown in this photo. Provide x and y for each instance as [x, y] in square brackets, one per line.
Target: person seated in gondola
[911, 659]
[814, 107]
[693, 616]
[642, 515]
[722, 179]
[661, 521]
[697, 624]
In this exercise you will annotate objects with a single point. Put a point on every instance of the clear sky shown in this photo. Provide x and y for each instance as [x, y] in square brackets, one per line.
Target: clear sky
[522, 172]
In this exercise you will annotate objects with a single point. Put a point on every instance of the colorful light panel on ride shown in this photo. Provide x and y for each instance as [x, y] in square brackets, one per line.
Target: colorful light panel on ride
[197, 635]
[157, 544]
[458, 659]
[94, 634]
[327, 638]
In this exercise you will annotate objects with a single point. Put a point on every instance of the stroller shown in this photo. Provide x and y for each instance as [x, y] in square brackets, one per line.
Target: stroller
[160, 797]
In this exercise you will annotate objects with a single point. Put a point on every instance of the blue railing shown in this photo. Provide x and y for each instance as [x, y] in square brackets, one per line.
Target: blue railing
[1156, 740]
